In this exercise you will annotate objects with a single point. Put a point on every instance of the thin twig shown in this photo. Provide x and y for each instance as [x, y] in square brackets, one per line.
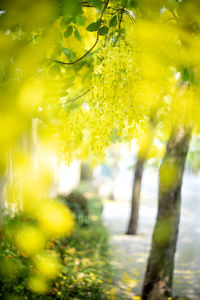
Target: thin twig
[86, 4]
[80, 96]
[129, 15]
[84, 55]
[119, 27]
[173, 13]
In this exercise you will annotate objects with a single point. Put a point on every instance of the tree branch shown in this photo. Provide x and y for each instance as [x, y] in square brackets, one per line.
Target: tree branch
[86, 53]
[80, 96]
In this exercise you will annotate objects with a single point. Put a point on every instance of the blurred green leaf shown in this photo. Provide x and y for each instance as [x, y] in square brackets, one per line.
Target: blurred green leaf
[77, 34]
[113, 21]
[130, 3]
[80, 20]
[71, 8]
[97, 3]
[68, 32]
[55, 69]
[103, 30]
[185, 74]
[93, 26]
[66, 21]
[68, 53]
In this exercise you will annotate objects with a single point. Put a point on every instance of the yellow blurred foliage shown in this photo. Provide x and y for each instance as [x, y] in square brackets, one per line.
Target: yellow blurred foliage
[31, 94]
[55, 219]
[144, 144]
[38, 285]
[30, 240]
[47, 265]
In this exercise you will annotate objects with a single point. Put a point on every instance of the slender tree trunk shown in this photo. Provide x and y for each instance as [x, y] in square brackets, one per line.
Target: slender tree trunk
[137, 181]
[139, 168]
[159, 274]
[133, 222]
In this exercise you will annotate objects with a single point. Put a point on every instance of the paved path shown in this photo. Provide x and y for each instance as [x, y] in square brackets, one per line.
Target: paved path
[131, 252]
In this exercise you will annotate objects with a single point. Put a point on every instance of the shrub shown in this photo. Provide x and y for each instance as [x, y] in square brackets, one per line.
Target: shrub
[85, 264]
[78, 204]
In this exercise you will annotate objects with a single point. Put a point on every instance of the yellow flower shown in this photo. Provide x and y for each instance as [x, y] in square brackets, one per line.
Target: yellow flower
[70, 251]
[55, 219]
[30, 240]
[37, 285]
[47, 265]
[93, 276]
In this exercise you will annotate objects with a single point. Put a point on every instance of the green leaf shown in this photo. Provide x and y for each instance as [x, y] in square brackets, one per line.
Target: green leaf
[55, 69]
[103, 30]
[97, 3]
[130, 3]
[56, 52]
[93, 26]
[77, 34]
[68, 53]
[68, 31]
[113, 21]
[71, 8]
[66, 20]
[185, 74]
[80, 20]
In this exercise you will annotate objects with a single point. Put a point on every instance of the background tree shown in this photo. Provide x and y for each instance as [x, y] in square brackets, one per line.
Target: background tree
[144, 148]
[159, 274]
[158, 279]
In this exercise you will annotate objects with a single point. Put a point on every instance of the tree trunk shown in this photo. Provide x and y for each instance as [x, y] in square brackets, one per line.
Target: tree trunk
[133, 222]
[159, 274]
[137, 181]
[139, 168]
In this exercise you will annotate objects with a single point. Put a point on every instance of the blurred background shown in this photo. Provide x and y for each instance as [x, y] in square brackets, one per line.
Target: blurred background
[113, 181]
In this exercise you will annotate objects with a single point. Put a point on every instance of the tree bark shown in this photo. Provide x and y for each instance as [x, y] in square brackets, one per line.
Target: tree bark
[159, 273]
[133, 222]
